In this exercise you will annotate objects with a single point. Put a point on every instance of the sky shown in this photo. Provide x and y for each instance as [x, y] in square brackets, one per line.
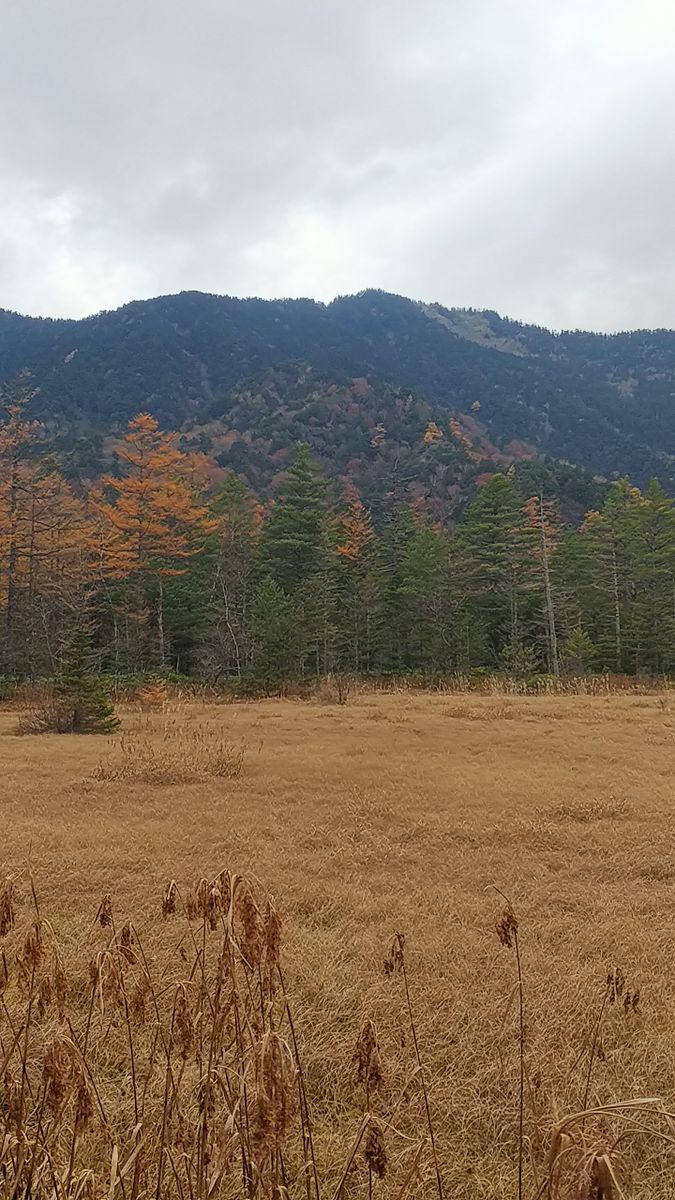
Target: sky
[517, 155]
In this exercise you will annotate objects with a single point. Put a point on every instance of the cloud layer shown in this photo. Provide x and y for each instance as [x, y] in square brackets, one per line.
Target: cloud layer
[509, 154]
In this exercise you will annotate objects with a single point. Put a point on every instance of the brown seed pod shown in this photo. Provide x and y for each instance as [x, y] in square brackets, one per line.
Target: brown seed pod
[33, 950]
[374, 1150]
[44, 996]
[366, 1057]
[126, 943]
[249, 928]
[169, 899]
[7, 908]
[275, 1100]
[104, 915]
[60, 987]
[58, 1072]
[183, 1025]
[393, 963]
[506, 925]
[84, 1106]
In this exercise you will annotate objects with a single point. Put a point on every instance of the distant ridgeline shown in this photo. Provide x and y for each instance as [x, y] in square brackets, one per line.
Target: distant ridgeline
[248, 379]
[431, 549]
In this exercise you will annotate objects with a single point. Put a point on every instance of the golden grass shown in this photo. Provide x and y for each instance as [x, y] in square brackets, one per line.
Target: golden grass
[400, 813]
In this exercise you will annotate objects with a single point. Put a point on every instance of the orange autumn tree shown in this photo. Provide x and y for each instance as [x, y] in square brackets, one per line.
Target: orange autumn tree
[149, 521]
[355, 527]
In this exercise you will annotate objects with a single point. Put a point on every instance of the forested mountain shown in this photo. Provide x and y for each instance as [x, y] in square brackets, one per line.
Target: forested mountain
[360, 380]
[262, 492]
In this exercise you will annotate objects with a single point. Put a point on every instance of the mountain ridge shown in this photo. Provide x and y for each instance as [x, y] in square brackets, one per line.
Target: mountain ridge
[604, 403]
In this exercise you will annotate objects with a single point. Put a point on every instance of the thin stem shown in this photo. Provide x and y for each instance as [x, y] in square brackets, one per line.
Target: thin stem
[418, 1056]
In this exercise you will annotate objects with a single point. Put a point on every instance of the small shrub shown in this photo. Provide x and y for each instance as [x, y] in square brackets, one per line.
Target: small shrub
[153, 695]
[78, 701]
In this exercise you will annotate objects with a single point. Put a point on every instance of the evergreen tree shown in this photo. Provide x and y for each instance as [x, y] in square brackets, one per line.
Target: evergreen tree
[294, 537]
[230, 563]
[274, 637]
[495, 568]
[427, 615]
[358, 587]
[82, 698]
[653, 534]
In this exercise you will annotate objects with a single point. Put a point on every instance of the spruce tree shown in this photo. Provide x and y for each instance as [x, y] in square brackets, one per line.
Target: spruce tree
[82, 701]
[294, 537]
[495, 571]
[274, 637]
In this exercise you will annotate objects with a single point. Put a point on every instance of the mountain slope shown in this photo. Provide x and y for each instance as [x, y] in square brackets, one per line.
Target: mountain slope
[603, 403]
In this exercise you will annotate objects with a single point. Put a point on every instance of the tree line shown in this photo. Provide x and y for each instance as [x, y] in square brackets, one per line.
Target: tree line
[174, 569]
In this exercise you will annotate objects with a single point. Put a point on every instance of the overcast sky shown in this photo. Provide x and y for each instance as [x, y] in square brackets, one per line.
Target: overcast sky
[507, 154]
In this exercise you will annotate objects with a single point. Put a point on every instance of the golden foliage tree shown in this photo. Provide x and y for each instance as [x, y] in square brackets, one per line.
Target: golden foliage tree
[149, 521]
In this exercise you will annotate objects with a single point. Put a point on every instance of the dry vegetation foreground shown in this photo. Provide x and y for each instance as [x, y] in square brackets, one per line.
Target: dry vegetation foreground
[392, 813]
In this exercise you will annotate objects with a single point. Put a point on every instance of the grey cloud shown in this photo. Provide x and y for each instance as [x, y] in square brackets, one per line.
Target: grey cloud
[514, 154]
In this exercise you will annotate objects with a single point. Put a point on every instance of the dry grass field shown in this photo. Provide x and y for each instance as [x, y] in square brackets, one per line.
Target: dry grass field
[392, 813]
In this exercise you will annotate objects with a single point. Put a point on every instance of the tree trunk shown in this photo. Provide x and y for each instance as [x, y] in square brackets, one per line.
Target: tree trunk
[617, 611]
[160, 624]
[550, 612]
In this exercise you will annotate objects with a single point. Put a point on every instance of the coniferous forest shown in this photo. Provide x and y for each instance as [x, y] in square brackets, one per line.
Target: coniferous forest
[174, 565]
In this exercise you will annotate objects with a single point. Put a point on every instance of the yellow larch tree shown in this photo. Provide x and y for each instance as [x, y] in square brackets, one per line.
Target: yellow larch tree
[149, 521]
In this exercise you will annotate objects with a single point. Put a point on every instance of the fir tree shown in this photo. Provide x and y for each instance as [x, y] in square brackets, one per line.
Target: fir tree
[294, 537]
[82, 697]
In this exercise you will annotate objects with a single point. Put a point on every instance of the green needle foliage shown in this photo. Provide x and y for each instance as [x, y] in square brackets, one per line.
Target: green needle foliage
[81, 694]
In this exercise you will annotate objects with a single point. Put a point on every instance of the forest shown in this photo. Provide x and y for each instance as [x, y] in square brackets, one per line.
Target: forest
[173, 565]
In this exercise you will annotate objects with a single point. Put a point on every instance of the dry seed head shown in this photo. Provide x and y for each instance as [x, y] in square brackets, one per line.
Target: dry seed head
[11, 1099]
[248, 923]
[506, 924]
[105, 977]
[274, 1094]
[4, 973]
[272, 936]
[58, 1073]
[374, 1150]
[104, 915]
[206, 1099]
[169, 899]
[7, 908]
[616, 983]
[60, 987]
[366, 1056]
[84, 1106]
[126, 944]
[182, 1021]
[180, 1132]
[394, 961]
[204, 900]
[33, 950]
[44, 996]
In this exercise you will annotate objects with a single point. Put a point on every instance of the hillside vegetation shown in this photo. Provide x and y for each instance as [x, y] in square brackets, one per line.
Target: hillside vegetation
[602, 403]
